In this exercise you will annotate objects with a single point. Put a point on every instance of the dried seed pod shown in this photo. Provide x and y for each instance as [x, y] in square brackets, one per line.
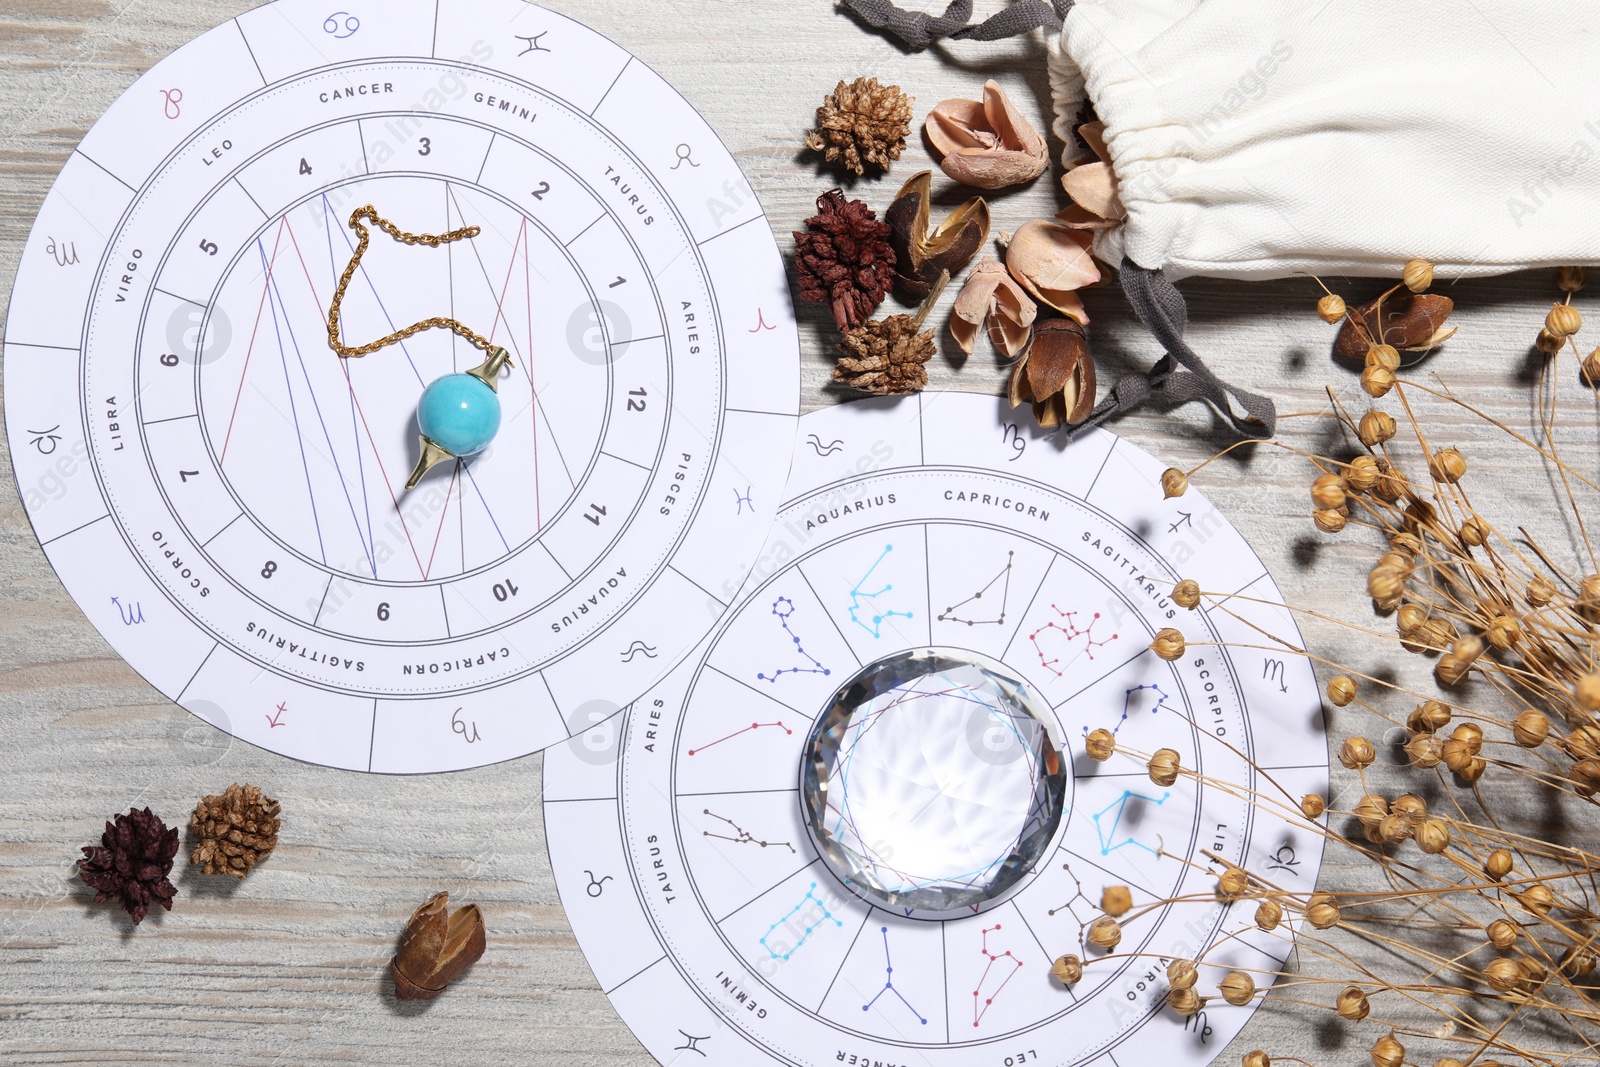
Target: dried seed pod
[1502, 934]
[1571, 279]
[1067, 969]
[1387, 1052]
[1116, 901]
[1105, 933]
[1353, 1005]
[1530, 728]
[1503, 975]
[1342, 690]
[1328, 491]
[921, 254]
[1412, 322]
[1186, 594]
[1410, 807]
[1164, 767]
[1430, 715]
[1438, 634]
[1586, 691]
[1362, 473]
[1447, 465]
[1537, 898]
[1533, 971]
[1392, 483]
[1589, 369]
[1585, 776]
[1563, 321]
[1237, 988]
[437, 946]
[1312, 806]
[1377, 381]
[1100, 744]
[1053, 262]
[1168, 644]
[992, 296]
[1173, 483]
[1093, 187]
[1385, 356]
[1474, 532]
[1182, 974]
[1504, 632]
[1452, 668]
[1323, 911]
[1329, 520]
[1409, 619]
[1418, 275]
[1433, 836]
[1498, 865]
[1393, 829]
[1451, 1061]
[1357, 753]
[1233, 883]
[986, 143]
[1541, 591]
[1256, 1058]
[1582, 743]
[1387, 586]
[1370, 809]
[1470, 733]
[1376, 428]
[1473, 770]
[862, 123]
[1185, 1002]
[1425, 751]
[1579, 962]
[1331, 309]
[1548, 343]
[1269, 913]
[1055, 374]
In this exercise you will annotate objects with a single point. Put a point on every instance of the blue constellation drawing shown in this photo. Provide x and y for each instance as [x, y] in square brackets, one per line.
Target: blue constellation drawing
[783, 617]
[859, 597]
[826, 916]
[1108, 838]
[1127, 703]
[888, 982]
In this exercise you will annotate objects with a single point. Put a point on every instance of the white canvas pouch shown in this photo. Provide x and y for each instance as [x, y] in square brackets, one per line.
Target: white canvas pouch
[1264, 138]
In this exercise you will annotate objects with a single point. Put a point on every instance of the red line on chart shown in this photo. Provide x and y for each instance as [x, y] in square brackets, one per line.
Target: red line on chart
[736, 733]
[533, 391]
[449, 490]
[979, 1012]
[266, 287]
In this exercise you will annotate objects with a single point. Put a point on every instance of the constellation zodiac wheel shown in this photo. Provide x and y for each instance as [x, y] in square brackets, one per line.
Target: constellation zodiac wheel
[224, 497]
[945, 587]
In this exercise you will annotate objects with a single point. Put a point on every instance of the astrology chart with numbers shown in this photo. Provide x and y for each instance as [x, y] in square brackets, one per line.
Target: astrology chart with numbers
[224, 496]
[676, 831]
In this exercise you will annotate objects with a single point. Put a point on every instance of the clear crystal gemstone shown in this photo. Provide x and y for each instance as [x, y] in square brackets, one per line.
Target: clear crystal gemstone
[931, 781]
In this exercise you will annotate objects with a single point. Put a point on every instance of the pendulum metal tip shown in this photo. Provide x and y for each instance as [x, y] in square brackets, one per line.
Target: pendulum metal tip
[432, 456]
[488, 372]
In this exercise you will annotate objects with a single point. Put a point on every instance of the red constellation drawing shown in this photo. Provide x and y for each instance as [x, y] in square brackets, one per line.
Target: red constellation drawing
[1068, 631]
[980, 1003]
[736, 733]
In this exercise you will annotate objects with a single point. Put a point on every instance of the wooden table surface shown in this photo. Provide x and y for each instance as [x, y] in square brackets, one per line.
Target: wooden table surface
[288, 966]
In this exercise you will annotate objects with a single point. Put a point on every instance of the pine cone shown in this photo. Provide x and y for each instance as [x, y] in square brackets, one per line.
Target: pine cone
[131, 863]
[862, 122]
[844, 258]
[237, 830]
[885, 356]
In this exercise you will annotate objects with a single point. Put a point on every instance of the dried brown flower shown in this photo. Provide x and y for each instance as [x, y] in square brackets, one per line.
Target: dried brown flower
[131, 863]
[986, 143]
[843, 259]
[235, 831]
[862, 123]
[886, 356]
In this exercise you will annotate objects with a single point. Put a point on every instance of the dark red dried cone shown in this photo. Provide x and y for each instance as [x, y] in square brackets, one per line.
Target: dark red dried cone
[131, 863]
[844, 259]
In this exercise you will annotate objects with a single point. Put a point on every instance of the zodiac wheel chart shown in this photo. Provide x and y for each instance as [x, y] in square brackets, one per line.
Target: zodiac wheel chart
[224, 496]
[943, 588]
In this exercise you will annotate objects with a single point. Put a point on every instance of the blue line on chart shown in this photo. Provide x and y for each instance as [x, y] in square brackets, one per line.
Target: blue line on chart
[783, 620]
[888, 982]
[355, 427]
[1127, 702]
[294, 413]
[857, 597]
[806, 936]
[1108, 844]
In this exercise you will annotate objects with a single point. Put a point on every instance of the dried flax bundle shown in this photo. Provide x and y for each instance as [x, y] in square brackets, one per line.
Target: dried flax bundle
[1487, 919]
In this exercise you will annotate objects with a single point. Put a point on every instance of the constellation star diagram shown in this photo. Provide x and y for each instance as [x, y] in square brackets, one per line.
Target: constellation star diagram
[859, 598]
[1069, 630]
[748, 729]
[1109, 841]
[1127, 705]
[949, 614]
[783, 617]
[826, 916]
[745, 837]
[888, 982]
[993, 961]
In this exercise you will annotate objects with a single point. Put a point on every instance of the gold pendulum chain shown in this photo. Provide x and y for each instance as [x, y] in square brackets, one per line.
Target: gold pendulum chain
[370, 214]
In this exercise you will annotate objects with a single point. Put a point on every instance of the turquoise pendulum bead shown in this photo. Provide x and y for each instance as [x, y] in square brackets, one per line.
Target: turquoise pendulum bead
[459, 415]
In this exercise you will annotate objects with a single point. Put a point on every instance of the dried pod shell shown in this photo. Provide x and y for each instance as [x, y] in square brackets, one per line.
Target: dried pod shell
[1329, 520]
[1100, 744]
[1412, 322]
[922, 254]
[436, 948]
[1376, 428]
[1385, 356]
[1105, 933]
[992, 296]
[1182, 974]
[1233, 883]
[1163, 766]
[1312, 806]
[1531, 728]
[1357, 753]
[1387, 1052]
[1498, 865]
[1377, 380]
[986, 143]
[1168, 644]
[1418, 275]
[1331, 309]
[1353, 1004]
[1328, 491]
[1563, 321]
[1425, 750]
[1502, 934]
[1433, 836]
[1055, 374]
[1116, 901]
[1186, 594]
[1053, 262]
[1269, 913]
[1093, 187]
[1537, 898]
[1371, 809]
[1503, 975]
[1185, 1002]
[1342, 690]
[1323, 911]
[1173, 483]
[1362, 473]
[1447, 465]
[1571, 279]
[1237, 988]
[1067, 969]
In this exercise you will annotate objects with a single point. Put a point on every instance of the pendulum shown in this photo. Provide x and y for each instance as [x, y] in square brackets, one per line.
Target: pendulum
[458, 414]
